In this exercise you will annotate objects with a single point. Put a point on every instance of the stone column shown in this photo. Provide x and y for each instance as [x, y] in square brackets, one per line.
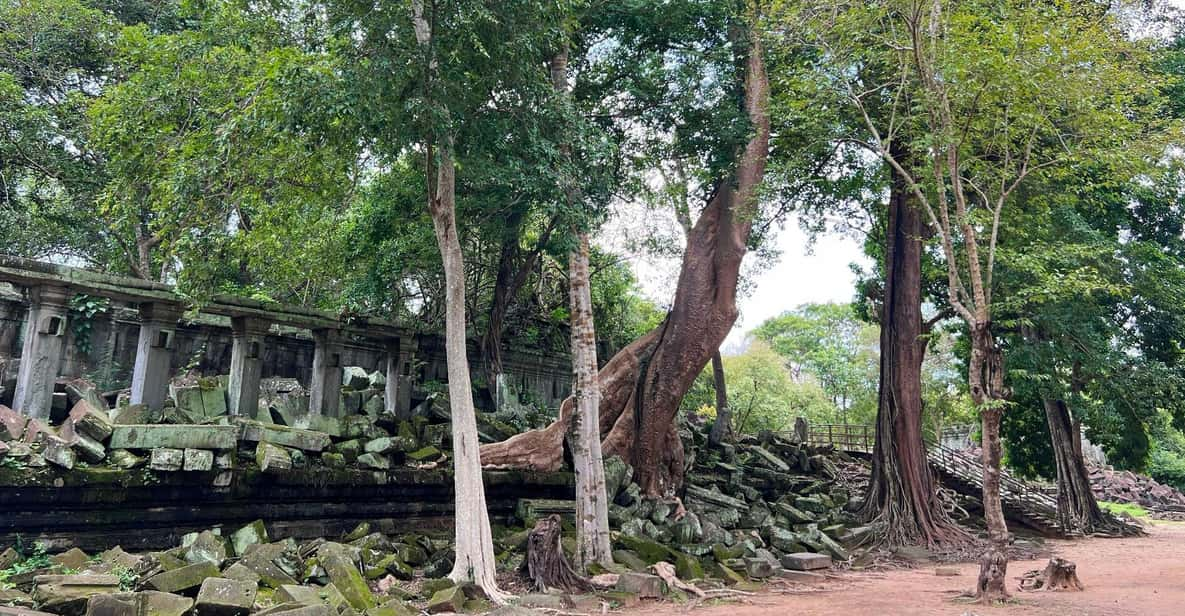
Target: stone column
[246, 365]
[41, 350]
[325, 390]
[150, 376]
[397, 396]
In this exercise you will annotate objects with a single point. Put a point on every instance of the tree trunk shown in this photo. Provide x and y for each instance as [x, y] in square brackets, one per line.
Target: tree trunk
[986, 380]
[474, 545]
[546, 565]
[584, 438]
[901, 496]
[643, 384]
[474, 541]
[1077, 508]
[722, 429]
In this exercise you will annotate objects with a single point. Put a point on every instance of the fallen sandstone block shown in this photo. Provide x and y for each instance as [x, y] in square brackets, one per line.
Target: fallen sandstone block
[173, 436]
[224, 597]
[166, 459]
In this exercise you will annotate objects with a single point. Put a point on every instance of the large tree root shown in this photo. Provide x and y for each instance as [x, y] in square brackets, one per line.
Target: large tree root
[1059, 574]
[546, 563]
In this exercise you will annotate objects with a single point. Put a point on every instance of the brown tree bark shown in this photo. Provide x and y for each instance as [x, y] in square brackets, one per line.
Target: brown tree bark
[1077, 508]
[546, 564]
[722, 428]
[901, 497]
[643, 384]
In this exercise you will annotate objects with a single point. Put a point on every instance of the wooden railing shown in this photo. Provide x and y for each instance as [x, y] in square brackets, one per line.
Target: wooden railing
[846, 437]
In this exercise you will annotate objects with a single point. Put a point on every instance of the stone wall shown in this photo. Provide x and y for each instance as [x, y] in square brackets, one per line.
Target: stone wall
[204, 346]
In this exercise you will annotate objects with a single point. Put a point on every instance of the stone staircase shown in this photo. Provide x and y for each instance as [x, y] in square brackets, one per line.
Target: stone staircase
[1022, 502]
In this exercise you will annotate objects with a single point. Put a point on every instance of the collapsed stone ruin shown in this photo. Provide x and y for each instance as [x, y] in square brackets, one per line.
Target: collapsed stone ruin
[242, 493]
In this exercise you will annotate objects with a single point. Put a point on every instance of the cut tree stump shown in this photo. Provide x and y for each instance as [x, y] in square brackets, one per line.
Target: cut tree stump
[546, 563]
[1059, 574]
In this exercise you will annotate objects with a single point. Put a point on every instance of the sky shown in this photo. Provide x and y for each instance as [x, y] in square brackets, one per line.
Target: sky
[800, 273]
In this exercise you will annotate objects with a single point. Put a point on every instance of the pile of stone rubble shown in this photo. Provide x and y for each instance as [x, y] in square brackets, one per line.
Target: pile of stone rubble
[750, 509]
[1115, 486]
[193, 432]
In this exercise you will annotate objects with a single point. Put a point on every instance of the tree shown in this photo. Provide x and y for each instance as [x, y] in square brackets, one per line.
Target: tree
[997, 91]
[643, 385]
[57, 57]
[828, 342]
[223, 151]
[592, 504]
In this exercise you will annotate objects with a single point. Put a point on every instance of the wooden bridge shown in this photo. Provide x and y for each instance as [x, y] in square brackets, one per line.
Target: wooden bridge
[1023, 502]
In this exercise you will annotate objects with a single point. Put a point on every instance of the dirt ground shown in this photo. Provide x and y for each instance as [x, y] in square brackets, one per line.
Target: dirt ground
[1142, 576]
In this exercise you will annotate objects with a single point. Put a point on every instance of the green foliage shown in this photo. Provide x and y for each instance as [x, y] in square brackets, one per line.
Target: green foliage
[35, 557]
[83, 310]
[762, 393]
[828, 343]
[1131, 509]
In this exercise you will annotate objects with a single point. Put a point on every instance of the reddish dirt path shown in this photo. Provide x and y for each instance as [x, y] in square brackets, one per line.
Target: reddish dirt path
[1143, 576]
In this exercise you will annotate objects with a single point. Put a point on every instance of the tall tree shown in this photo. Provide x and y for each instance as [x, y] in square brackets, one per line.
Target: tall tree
[901, 495]
[584, 438]
[996, 92]
[643, 384]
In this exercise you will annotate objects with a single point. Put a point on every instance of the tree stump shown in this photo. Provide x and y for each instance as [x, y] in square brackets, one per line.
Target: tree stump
[1059, 574]
[993, 567]
[546, 563]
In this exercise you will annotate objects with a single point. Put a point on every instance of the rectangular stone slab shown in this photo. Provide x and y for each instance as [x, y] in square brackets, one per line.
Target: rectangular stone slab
[806, 561]
[307, 440]
[174, 436]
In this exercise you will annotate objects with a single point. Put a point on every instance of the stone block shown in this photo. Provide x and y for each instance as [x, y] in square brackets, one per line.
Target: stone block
[154, 603]
[261, 559]
[224, 597]
[450, 599]
[374, 461]
[351, 402]
[306, 440]
[182, 578]
[424, 454]
[12, 424]
[90, 421]
[240, 572]
[802, 577]
[252, 534]
[198, 460]
[272, 458]
[73, 558]
[68, 594]
[132, 414]
[390, 444]
[806, 561]
[8, 557]
[345, 576]
[311, 595]
[166, 459]
[355, 378]
[394, 607]
[59, 452]
[125, 459]
[206, 548]
[80, 389]
[643, 585]
[112, 605]
[90, 450]
[173, 436]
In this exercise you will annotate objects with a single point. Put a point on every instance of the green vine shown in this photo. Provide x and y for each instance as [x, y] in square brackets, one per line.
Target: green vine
[83, 309]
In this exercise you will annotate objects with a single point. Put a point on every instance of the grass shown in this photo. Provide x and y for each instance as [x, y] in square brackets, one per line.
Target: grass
[1131, 509]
